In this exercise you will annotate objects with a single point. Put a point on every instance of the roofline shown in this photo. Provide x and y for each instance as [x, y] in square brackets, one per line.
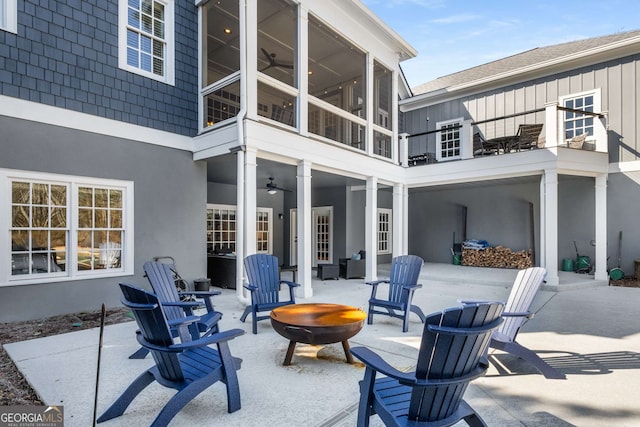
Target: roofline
[407, 51]
[583, 58]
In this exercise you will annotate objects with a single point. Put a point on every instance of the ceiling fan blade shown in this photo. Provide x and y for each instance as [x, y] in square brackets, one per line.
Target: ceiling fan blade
[267, 55]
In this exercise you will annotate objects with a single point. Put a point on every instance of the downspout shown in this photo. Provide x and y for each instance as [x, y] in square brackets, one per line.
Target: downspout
[240, 189]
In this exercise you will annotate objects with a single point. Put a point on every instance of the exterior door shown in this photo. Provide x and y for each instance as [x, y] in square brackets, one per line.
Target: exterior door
[322, 237]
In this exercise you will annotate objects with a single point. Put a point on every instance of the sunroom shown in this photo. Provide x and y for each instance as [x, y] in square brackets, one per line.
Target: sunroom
[300, 92]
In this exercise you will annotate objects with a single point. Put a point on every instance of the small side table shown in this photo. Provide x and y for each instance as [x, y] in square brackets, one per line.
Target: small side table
[328, 271]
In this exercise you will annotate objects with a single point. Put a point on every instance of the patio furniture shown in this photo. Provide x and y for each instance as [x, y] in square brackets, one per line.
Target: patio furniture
[190, 367]
[524, 290]
[354, 267]
[527, 137]
[481, 147]
[317, 324]
[162, 280]
[452, 354]
[328, 271]
[263, 275]
[402, 283]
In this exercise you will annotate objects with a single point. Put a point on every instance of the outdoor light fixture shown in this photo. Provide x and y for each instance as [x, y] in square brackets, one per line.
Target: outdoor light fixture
[272, 191]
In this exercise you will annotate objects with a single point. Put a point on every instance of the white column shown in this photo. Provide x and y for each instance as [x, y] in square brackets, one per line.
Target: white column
[250, 204]
[370, 228]
[240, 218]
[302, 70]
[398, 229]
[395, 155]
[601, 227]
[369, 77]
[403, 147]
[551, 226]
[251, 59]
[304, 229]
[543, 225]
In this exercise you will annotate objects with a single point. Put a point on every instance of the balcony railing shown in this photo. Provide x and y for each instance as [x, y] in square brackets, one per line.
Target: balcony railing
[534, 129]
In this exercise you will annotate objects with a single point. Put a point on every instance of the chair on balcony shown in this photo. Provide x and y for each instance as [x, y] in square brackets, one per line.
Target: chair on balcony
[527, 137]
[481, 147]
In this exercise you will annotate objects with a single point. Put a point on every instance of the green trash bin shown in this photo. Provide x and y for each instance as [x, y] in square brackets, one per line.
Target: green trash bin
[567, 264]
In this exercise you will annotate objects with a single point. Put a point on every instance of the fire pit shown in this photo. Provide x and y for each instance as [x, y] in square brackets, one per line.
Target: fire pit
[317, 324]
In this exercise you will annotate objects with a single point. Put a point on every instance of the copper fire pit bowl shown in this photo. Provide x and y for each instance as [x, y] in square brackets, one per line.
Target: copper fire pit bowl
[317, 324]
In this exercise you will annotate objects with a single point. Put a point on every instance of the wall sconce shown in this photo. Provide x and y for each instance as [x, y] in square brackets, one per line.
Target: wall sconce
[280, 216]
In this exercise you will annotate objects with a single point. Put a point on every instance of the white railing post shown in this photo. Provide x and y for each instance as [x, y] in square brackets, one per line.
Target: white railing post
[403, 149]
[600, 133]
[466, 140]
[553, 126]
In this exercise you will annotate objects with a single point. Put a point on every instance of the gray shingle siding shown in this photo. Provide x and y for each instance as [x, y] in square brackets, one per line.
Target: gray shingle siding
[66, 55]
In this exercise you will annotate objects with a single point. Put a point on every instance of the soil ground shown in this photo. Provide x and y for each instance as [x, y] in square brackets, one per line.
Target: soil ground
[15, 390]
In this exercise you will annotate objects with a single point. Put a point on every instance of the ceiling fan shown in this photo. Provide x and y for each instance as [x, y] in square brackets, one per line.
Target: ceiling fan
[272, 188]
[271, 59]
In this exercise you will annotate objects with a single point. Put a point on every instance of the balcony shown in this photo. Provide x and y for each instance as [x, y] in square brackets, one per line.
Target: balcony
[550, 127]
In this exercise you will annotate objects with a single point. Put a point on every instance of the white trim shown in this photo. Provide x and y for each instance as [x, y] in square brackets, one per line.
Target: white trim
[56, 116]
[439, 125]
[73, 182]
[9, 14]
[169, 42]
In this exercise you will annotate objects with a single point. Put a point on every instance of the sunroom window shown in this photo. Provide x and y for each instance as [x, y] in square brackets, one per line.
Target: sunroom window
[277, 40]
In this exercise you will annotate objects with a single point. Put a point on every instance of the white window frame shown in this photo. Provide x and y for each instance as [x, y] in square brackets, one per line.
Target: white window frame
[385, 236]
[169, 42]
[8, 176]
[269, 231]
[9, 16]
[597, 108]
[439, 125]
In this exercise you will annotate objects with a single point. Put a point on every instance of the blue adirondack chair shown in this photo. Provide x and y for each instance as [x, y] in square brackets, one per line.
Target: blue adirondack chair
[524, 289]
[403, 282]
[452, 354]
[263, 275]
[161, 278]
[189, 367]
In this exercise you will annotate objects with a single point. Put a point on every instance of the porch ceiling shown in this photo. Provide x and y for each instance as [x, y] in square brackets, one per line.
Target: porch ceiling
[222, 169]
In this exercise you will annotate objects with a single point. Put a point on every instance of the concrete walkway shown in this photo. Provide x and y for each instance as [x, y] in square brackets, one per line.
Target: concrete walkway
[590, 332]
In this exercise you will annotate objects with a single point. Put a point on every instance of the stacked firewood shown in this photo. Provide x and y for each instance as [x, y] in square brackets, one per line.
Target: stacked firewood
[497, 257]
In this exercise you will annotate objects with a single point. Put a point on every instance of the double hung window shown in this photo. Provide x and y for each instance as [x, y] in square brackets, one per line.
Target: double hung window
[146, 38]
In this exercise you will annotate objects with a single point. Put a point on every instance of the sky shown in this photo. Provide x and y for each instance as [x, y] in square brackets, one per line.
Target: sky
[454, 35]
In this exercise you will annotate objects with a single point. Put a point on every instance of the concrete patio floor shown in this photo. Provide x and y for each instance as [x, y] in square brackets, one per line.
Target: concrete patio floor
[586, 329]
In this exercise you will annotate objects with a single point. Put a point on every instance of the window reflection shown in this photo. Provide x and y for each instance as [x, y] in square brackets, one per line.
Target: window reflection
[277, 40]
[336, 69]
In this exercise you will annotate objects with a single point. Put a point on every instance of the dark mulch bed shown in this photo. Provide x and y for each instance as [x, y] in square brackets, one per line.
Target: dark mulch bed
[14, 389]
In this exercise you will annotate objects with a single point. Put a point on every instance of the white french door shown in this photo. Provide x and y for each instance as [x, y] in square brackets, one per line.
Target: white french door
[321, 237]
